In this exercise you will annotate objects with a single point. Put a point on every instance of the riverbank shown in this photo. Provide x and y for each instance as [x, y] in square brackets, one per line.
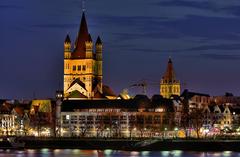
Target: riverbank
[132, 145]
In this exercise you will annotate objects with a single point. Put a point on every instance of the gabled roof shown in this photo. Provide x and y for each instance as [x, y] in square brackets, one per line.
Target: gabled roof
[211, 107]
[82, 37]
[222, 108]
[78, 81]
[19, 110]
[76, 94]
[188, 95]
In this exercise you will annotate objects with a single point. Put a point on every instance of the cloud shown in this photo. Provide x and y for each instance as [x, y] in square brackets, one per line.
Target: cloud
[221, 56]
[60, 26]
[205, 8]
[10, 6]
[233, 46]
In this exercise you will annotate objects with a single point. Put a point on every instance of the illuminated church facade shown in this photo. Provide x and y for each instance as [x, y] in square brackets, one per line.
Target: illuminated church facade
[169, 85]
[83, 65]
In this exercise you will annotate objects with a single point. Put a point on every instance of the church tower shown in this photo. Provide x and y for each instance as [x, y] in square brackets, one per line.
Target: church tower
[83, 65]
[169, 85]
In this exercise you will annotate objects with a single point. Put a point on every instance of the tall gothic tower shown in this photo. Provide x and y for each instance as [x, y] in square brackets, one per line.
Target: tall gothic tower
[169, 85]
[82, 65]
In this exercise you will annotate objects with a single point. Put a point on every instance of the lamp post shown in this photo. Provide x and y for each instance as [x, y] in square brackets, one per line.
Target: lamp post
[165, 132]
[176, 132]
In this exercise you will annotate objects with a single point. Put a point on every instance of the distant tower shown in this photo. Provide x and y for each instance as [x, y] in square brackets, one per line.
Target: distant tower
[169, 85]
[82, 66]
[67, 47]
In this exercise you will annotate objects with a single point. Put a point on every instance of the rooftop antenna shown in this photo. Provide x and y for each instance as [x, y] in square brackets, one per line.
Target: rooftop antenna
[83, 6]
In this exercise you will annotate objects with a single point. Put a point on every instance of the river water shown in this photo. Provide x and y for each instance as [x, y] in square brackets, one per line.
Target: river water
[111, 153]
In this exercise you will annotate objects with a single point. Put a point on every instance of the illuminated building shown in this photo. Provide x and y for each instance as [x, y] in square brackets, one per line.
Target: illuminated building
[41, 117]
[7, 119]
[83, 66]
[196, 100]
[138, 117]
[169, 85]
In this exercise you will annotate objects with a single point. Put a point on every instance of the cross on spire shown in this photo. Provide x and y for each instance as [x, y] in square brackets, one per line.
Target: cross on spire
[83, 6]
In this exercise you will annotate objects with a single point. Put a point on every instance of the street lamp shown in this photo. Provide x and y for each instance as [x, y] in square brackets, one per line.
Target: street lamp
[176, 132]
[165, 132]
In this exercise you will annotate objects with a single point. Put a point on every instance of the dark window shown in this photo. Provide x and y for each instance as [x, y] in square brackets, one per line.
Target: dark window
[79, 67]
[74, 67]
[84, 67]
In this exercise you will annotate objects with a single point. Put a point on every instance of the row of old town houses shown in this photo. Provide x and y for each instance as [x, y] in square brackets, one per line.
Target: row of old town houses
[189, 115]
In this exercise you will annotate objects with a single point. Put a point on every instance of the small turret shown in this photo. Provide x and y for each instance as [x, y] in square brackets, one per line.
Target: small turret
[67, 47]
[89, 47]
[99, 47]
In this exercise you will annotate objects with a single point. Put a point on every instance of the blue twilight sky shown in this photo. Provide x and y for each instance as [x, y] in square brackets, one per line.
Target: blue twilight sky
[201, 36]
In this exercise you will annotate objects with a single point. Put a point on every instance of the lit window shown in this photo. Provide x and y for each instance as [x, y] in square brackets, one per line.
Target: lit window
[67, 117]
[159, 110]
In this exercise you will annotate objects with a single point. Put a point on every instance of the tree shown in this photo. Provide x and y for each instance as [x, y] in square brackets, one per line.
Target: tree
[83, 129]
[196, 118]
[185, 117]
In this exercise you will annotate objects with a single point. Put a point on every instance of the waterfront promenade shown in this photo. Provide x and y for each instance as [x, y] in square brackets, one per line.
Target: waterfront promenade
[133, 144]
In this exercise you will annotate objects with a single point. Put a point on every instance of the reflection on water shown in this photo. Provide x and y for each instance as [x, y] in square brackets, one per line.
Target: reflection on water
[111, 153]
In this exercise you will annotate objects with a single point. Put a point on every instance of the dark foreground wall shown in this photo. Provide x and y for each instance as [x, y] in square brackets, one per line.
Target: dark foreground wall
[119, 144]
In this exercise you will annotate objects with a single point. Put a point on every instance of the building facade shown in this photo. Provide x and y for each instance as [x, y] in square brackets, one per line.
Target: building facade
[138, 117]
[169, 85]
[195, 100]
[82, 65]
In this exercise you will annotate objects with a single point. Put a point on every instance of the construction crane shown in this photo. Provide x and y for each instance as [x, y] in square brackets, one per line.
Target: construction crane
[143, 85]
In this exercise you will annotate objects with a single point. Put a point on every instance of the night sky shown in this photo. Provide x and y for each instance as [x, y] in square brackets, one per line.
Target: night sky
[201, 36]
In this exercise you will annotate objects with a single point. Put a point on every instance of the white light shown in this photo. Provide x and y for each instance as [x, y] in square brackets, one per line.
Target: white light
[108, 152]
[176, 153]
[67, 117]
[227, 153]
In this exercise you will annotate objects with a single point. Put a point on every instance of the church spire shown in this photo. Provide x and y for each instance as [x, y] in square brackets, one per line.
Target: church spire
[83, 36]
[67, 39]
[169, 75]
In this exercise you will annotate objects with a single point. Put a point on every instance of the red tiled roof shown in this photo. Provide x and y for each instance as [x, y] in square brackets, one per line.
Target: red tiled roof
[83, 36]
[19, 110]
[107, 91]
[99, 95]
